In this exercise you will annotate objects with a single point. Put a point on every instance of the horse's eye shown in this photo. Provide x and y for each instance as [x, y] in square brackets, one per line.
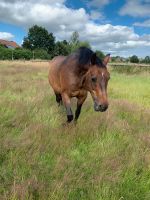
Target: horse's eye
[94, 79]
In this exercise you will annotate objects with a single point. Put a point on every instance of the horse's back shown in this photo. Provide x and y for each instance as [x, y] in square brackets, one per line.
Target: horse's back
[56, 62]
[54, 70]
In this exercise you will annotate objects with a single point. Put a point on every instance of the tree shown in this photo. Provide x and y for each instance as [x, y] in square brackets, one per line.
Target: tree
[62, 48]
[147, 60]
[75, 43]
[100, 54]
[74, 38]
[39, 38]
[134, 59]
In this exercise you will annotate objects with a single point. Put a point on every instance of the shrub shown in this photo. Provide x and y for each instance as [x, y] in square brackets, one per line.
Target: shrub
[134, 59]
[41, 54]
[147, 60]
[20, 53]
[5, 54]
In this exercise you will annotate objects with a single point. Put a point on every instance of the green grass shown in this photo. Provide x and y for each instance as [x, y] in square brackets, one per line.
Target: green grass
[130, 68]
[134, 88]
[106, 156]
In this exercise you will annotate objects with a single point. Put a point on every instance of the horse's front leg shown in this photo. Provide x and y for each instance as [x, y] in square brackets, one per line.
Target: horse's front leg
[67, 104]
[80, 102]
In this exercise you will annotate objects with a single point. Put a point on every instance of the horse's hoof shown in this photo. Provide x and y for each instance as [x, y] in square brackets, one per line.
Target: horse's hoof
[70, 118]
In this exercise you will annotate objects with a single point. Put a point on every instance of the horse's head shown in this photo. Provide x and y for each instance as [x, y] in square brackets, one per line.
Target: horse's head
[97, 78]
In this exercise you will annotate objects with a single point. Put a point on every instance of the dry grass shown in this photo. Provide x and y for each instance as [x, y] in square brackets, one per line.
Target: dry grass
[105, 156]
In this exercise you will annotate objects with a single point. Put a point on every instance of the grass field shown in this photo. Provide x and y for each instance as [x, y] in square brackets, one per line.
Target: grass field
[106, 156]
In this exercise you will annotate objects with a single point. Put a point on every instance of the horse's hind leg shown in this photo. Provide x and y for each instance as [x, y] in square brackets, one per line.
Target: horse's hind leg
[58, 98]
[67, 104]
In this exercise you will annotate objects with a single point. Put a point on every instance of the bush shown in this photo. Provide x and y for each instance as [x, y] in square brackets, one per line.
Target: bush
[134, 59]
[62, 48]
[41, 54]
[20, 53]
[147, 60]
[100, 54]
[5, 54]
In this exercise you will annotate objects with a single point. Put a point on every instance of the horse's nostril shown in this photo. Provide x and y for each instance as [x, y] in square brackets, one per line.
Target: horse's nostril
[103, 107]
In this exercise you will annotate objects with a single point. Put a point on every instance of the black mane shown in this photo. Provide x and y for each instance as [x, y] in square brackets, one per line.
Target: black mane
[84, 56]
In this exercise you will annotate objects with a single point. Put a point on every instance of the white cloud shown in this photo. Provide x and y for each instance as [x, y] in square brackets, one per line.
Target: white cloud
[117, 39]
[96, 15]
[52, 15]
[62, 21]
[146, 23]
[6, 36]
[109, 33]
[136, 8]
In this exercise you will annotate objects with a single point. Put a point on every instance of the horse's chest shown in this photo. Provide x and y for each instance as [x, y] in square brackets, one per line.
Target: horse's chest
[77, 93]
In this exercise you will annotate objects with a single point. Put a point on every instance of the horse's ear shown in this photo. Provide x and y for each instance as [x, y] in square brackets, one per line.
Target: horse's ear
[93, 59]
[106, 59]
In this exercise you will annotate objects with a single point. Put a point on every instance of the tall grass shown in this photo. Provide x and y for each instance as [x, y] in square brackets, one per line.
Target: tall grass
[130, 68]
[106, 156]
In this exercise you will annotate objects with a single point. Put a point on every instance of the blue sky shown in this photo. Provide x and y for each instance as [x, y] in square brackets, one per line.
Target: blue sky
[119, 27]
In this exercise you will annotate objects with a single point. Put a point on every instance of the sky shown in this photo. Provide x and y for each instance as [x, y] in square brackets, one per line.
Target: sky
[119, 27]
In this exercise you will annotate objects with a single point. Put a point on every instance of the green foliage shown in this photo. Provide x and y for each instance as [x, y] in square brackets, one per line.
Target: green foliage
[84, 44]
[2, 46]
[40, 54]
[100, 54]
[40, 44]
[134, 59]
[113, 59]
[62, 48]
[147, 60]
[25, 54]
[39, 38]
[75, 42]
[74, 38]
[119, 59]
[5, 53]
[22, 54]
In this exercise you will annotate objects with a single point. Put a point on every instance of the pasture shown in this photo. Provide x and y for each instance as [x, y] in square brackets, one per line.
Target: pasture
[106, 156]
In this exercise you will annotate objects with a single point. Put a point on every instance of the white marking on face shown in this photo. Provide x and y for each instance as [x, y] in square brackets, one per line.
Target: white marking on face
[102, 74]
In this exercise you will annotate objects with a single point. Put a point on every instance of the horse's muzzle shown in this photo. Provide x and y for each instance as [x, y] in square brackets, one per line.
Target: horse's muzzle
[101, 108]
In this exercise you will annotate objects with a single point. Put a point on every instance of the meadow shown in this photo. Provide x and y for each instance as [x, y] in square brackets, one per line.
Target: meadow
[106, 156]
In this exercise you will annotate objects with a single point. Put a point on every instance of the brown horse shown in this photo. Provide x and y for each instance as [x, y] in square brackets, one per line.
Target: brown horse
[75, 75]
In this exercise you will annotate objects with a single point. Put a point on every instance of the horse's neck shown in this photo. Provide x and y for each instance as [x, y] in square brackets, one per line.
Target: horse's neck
[83, 79]
[80, 74]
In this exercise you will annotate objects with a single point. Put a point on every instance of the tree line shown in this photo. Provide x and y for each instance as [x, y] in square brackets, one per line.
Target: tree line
[40, 44]
[132, 59]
